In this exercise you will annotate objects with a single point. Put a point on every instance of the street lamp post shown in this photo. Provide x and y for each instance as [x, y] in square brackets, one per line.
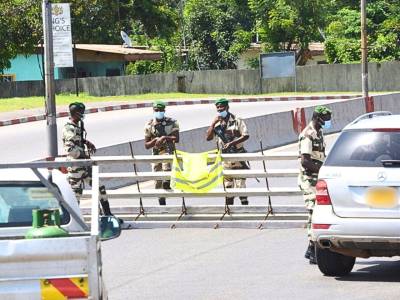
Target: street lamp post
[49, 80]
[364, 50]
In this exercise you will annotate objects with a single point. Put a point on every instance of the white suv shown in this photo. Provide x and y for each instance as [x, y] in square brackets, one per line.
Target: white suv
[357, 212]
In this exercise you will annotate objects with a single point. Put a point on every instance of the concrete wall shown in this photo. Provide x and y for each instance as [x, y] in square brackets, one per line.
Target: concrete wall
[35, 88]
[382, 77]
[273, 130]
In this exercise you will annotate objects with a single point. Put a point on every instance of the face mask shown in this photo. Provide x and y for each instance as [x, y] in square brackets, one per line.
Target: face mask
[159, 115]
[223, 113]
[327, 125]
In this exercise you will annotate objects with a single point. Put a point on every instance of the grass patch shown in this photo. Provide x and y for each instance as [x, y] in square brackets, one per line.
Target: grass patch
[12, 104]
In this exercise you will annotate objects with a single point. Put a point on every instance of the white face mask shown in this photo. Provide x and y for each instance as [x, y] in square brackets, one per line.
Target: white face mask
[159, 115]
[327, 125]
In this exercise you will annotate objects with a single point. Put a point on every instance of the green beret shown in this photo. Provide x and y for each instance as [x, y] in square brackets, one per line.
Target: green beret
[77, 107]
[322, 110]
[222, 101]
[158, 104]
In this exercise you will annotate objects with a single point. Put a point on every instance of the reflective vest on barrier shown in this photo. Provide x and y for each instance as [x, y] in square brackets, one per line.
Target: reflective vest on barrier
[194, 174]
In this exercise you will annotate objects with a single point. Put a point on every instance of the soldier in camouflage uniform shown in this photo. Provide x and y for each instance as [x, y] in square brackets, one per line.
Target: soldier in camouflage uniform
[312, 156]
[78, 147]
[231, 132]
[161, 133]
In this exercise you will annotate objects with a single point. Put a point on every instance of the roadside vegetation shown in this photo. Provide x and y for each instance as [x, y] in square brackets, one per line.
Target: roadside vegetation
[203, 34]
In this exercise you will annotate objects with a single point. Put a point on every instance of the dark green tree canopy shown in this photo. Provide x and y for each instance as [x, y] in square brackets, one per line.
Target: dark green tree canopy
[215, 32]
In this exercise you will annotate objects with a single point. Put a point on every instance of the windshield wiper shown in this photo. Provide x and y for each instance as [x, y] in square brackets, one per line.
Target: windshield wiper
[390, 163]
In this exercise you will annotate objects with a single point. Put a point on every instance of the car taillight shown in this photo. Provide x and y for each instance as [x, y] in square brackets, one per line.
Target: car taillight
[322, 195]
[321, 226]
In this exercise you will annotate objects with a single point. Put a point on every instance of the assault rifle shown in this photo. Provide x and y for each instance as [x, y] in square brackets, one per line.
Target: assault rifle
[160, 131]
[220, 132]
[83, 139]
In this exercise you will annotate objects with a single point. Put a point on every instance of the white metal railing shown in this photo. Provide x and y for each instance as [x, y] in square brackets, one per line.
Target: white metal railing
[203, 215]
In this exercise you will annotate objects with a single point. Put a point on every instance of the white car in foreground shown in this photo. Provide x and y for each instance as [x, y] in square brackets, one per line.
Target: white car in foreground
[49, 266]
[357, 212]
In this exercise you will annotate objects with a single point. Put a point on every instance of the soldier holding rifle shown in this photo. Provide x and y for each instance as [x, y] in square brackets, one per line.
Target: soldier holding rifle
[161, 133]
[230, 132]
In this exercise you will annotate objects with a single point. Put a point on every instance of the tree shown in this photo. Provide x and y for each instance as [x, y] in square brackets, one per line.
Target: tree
[283, 23]
[18, 35]
[343, 33]
[93, 21]
[217, 32]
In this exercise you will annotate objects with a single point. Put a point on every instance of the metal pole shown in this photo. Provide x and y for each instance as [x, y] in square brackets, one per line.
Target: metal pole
[49, 80]
[76, 73]
[261, 74]
[364, 50]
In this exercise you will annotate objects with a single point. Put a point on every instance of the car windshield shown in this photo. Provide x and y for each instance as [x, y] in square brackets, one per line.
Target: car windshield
[18, 200]
[364, 149]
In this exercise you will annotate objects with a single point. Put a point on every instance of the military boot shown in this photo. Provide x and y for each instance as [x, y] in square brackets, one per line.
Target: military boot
[310, 253]
[309, 249]
[229, 200]
[162, 201]
[105, 205]
[244, 200]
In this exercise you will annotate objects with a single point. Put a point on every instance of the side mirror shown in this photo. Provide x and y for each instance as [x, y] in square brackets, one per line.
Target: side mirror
[110, 228]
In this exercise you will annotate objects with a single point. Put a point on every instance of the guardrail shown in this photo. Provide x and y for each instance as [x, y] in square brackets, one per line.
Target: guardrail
[214, 216]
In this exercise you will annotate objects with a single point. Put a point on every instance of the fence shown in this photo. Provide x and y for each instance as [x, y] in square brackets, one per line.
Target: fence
[138, 214]
[319, 78]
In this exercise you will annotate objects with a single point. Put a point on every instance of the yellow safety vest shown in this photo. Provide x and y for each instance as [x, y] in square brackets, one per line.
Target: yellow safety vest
[195, 175]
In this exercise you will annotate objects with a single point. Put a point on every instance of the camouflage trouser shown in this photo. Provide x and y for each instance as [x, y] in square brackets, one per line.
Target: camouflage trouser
[162, 184]
[230, 183]
[307, 185]
[77, 178]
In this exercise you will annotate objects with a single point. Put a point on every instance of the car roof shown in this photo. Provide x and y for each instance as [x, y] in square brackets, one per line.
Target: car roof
[375, 121]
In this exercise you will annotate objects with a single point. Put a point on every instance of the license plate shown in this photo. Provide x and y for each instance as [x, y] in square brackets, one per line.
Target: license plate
[382, 197]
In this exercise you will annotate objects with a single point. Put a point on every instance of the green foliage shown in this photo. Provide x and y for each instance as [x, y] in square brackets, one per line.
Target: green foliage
[282, 23]
[93, 21]
[383, 26]
[217, 32]
[20, 29]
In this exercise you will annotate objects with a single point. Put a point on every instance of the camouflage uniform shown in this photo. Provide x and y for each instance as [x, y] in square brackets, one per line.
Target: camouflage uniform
[233, 129]
[311, 142]
[154, 129]
[74, 146]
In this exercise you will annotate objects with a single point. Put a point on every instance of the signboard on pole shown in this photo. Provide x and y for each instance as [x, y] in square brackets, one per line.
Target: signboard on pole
[62, 36]
[278, 65]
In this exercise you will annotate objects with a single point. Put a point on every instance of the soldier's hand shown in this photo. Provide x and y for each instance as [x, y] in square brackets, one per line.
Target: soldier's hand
[216, 120]
[227, 145]
[160, 141]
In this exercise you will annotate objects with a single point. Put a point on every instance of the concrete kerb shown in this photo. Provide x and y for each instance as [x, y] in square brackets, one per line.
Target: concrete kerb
[172, 103]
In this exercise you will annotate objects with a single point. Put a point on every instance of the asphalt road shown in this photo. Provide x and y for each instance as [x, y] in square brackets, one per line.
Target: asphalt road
[26, 142]
[234, 264]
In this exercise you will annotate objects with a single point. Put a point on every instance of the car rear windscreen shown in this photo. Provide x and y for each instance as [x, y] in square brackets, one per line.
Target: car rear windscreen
[18, 200]
[364, 149]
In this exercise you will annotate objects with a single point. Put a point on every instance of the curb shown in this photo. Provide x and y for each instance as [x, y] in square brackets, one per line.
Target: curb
[173, 103]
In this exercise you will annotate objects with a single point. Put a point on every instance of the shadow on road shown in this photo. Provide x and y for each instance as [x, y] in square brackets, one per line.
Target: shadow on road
[375, 271]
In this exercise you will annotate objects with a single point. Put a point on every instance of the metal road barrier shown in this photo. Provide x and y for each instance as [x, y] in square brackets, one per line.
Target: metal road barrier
[140, 215]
